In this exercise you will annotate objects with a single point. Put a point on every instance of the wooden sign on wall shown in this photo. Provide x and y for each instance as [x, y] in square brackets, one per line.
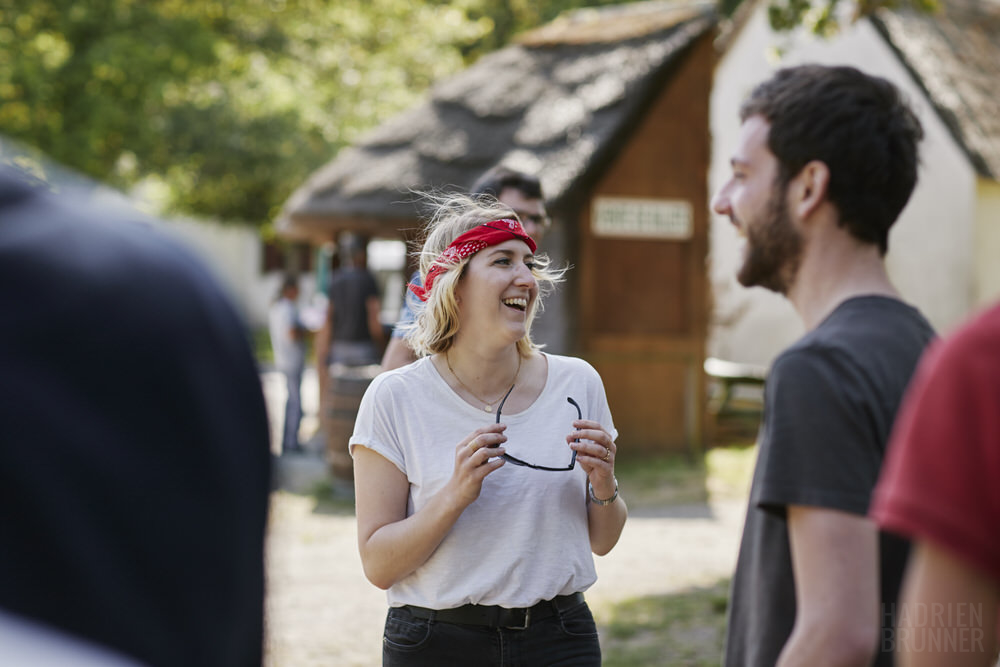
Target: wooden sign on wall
[627, 217]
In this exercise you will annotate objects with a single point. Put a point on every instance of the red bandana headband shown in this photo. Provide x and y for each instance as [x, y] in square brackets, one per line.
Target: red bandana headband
[469, 243]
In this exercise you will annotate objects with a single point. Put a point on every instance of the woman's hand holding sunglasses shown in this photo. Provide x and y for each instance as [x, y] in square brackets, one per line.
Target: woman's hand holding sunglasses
[595, 453]
[476, 457]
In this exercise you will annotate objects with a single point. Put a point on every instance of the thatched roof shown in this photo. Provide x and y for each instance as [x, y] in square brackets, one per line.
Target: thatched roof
[954, 54]
[557, 103]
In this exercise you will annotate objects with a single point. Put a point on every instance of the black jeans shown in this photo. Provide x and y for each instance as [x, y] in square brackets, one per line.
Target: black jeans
[568, 638]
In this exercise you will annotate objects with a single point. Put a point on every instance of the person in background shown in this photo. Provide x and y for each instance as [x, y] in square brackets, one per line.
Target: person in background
[484, 471]
[352, 333]
[825, 162]
[519, 191]
[134, 456]
[940, 489]
[288, 341]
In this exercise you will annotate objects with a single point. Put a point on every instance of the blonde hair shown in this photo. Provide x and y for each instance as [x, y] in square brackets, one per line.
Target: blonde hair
[436, 322]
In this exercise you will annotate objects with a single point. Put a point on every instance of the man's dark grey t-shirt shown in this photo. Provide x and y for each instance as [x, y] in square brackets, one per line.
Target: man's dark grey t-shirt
[350, 290]
[829, 406]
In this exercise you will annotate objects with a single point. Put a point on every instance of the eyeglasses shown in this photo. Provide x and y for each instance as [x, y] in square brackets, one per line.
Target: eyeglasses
[539, 219]
[518, 462]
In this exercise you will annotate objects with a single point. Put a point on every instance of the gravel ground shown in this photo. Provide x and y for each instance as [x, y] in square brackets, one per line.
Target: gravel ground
[322, 611]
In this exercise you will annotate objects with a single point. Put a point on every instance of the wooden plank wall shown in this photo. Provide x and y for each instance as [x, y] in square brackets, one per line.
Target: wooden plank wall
[643, 303]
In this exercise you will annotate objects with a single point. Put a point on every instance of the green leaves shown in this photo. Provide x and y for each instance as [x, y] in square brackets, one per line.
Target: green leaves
[820, 16]
[229, 104]
[226, 106]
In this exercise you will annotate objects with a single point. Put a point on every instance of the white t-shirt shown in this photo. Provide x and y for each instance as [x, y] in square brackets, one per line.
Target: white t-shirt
[525, 538]
[289, 353]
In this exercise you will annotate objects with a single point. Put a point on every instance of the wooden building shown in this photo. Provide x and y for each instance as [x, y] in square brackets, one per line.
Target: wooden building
[609, 107]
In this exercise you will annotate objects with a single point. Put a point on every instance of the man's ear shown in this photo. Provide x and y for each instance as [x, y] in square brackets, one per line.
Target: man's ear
[808, 189]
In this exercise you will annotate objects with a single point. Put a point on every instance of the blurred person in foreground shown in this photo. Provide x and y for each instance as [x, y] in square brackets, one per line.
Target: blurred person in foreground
[484, 471]
[288, 341]
[134, 459]
[520, 192]
[940, 488]
[825, 162]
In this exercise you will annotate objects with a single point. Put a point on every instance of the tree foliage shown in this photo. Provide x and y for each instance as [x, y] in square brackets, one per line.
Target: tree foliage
[225, 106]
[820, 16]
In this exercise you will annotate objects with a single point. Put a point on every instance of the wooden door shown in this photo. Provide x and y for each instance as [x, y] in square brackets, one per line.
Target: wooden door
[643, 280]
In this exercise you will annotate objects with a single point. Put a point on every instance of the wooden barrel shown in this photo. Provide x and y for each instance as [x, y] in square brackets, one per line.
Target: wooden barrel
[339, 410]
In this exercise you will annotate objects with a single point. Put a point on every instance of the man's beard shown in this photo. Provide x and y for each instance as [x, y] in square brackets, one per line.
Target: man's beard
[774, 248]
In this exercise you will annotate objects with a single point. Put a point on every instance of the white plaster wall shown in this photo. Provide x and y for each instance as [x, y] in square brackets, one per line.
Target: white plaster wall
[233, 253]
[931, 248]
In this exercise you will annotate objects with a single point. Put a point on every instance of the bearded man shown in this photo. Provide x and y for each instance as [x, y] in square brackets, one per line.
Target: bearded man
[827, 158]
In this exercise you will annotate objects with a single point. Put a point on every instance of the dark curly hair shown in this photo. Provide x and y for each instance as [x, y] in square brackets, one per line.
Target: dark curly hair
[859, 126]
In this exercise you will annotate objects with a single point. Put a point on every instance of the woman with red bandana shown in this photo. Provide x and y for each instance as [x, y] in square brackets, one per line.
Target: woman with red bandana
[484, 472]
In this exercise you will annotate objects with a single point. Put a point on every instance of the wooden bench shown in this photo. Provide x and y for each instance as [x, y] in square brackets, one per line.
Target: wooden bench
[731, 374]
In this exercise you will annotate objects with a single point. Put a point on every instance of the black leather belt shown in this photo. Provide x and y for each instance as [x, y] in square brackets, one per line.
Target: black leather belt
[499, 617]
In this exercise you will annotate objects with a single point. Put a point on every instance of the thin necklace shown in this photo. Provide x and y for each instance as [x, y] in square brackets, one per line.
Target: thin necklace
[489, 404]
